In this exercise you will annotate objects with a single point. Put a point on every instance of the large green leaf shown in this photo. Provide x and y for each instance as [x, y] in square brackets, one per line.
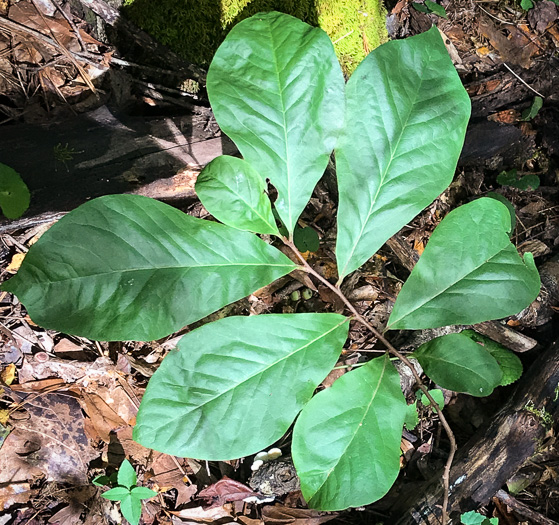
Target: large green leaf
[346, 442]
[276, 88]
[406, 120]
[234, 386]
[457, 363]
[14, 194]
[235, 194]
[128, 267]
[469, 272]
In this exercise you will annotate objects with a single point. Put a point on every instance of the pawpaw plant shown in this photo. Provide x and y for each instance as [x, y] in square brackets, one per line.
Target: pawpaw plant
[126, 267]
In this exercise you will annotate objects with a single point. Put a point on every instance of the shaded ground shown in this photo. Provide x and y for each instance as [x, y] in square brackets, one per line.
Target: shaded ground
[69, 404]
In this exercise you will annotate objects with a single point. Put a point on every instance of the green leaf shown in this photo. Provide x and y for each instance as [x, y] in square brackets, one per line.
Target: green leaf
[346, 442]
[126, 474]
[116, 494]
[533, 110]
[411, 419]
[510, 207]
[510, 364]
[306, 239]
[422, 8]
[276, 89]
[101, 480]
[436, 394]
[526, 4]
[474, 518]
[469, 272]
[127, 267]
[235, 194]
[234, 386]
[131, 509]
[406, 119]
[512, 178]
[143, 492]
[457, 363]
[14, 194]
[436, 8]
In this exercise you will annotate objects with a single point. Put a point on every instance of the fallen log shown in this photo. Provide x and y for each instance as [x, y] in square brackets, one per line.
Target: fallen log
[497, 450]
[104, 152]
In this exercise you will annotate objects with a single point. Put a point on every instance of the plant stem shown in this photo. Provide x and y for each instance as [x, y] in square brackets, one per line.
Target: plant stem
[446, 474]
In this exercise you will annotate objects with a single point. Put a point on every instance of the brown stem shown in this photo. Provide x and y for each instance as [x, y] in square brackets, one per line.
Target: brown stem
[446, 474]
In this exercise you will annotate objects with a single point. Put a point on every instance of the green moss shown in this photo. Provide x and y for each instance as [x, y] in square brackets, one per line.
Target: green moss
[194, 29]
[541, 413]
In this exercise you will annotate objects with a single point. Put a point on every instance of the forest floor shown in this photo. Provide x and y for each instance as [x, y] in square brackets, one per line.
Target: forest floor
[68, 404]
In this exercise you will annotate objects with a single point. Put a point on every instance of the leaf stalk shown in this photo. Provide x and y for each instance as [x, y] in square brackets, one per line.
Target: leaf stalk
[392, 350]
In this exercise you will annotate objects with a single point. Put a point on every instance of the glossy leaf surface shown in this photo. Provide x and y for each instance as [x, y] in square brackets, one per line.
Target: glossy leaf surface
[14, 194]
[276, 88]
[508, 361]
[142, 492]
[406, 119]
[469, 272]
[127, 267]
[346, 442]
[126, 474]
[235, 194]
[234, 386]
[131, 509]
[457, 363]
[116, 494]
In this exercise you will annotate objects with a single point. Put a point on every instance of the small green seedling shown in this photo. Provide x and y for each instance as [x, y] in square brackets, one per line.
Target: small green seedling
[430, 7]
[533, 110]
[475, 518]
[126, 492]
[14, 193]
[517, 180]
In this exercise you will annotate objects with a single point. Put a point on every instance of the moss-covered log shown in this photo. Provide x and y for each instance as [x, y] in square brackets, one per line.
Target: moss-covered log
[194, 29]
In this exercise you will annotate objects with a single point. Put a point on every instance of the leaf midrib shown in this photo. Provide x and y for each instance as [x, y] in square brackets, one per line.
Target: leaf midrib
[283, 114]
[458, 365]
[157, 268]
[382, 180]
[358, 427]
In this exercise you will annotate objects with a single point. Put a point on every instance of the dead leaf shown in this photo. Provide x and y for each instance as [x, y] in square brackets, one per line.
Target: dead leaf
[8, 374]
[15, 263]
[518, 49]
[65, 346]
[103, 418]
[543, 15]
[42, 386]
[69, 515]
[205, 515]
[536, 247]
[15, 493]
[26, 14]
[280, 515]
[226, 490]
[48, 440]
[167, 475]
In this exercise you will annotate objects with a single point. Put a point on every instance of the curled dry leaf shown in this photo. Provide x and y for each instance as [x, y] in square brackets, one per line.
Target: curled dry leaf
[48, 441]
[280, 515]
[226, 490]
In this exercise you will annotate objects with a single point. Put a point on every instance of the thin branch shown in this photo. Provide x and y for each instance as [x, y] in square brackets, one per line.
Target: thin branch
[446, 474]
[523, 81]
